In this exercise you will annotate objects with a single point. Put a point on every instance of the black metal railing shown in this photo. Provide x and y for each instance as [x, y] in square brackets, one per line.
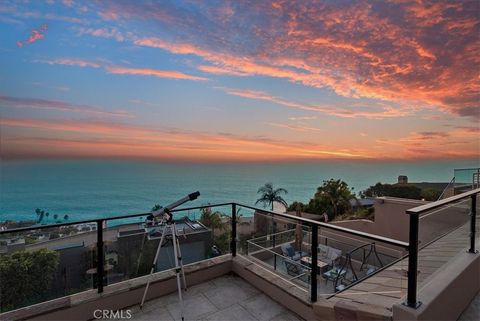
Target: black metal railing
[411, 246]
[413, 237]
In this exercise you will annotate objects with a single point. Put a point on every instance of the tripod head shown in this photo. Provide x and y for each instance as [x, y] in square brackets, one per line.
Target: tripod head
[165, 212]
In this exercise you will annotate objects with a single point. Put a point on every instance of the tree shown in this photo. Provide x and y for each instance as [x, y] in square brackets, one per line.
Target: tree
[336, 193]
[55, 217]
[401, 191]
[40, 214]
[47, 214]
[269, 195]
[65, 217]
[211, 219]
[26, 277]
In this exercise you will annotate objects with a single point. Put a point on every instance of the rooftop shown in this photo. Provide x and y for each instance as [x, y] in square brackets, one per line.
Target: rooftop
[227, 297]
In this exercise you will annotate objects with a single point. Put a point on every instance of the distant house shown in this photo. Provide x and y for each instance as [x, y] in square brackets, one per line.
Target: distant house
[136, 247]
[362, 202]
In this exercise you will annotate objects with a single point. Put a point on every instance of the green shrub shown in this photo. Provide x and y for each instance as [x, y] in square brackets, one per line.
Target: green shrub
[26, 277]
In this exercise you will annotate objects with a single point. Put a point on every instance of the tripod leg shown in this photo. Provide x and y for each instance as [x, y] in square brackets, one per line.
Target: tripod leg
[181, 264]
[153, 265]
[177, 267]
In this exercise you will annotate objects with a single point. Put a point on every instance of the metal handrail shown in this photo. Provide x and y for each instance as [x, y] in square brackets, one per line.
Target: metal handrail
[310, 222]
[431, 206]
[446, 187]
[414, 214]
[303, 220]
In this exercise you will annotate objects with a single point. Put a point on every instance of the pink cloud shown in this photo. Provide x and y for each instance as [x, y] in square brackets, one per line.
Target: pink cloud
[152, 72]
[103, 33]
[71, 62]
[36, 34]
[338, 110]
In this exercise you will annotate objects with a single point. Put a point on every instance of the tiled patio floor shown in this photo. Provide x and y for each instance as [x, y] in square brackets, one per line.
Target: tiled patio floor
[224, 298]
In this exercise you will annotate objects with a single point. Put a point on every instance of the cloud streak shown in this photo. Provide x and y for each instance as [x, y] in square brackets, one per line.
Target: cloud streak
[120, 70]
[43, 104]
[334, 110]
[94, 139]
[152, 72]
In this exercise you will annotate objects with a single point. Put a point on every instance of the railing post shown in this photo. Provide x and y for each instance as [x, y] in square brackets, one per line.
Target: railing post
[473, 219]
[413, 263]
[100, 264]
[233, 242]
[313, 275]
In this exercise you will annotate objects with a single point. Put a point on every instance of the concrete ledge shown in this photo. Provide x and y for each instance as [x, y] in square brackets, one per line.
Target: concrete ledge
[347, 310]
[446, 293]
[280, 290]
[120, 295]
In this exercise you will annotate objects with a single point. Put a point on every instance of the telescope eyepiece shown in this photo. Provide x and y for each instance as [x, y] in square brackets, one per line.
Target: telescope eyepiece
[193, 196]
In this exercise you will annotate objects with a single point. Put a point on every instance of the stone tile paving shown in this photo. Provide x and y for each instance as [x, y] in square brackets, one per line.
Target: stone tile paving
[472, 312]
[223, 299]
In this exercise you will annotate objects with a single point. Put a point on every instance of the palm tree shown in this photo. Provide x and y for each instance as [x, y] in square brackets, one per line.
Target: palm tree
[336, 192]
[65, 217]
[269, 195]
[41, 214]
[55, 217]
[47, 214]
[211, 219]
[38, 211]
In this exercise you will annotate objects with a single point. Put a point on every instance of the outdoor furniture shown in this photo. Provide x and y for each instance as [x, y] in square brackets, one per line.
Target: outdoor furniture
[322, 266]
[297, 271]
[329, 255]
[334, 274]
[289, 251]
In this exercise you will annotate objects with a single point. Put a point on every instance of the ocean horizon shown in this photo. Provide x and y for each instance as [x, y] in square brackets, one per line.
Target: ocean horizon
[90, 189]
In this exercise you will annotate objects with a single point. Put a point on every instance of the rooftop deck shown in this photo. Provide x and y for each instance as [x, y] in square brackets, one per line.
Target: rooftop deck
[389, 287]
[225, 298]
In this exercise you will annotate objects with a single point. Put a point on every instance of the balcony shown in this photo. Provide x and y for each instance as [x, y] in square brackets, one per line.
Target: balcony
[358, 275]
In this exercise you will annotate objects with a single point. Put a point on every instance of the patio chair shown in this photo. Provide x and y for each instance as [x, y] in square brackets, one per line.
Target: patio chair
[297, 271]
[329, 255]
[289, 251]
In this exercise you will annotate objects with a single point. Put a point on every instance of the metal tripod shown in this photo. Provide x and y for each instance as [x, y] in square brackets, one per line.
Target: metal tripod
[169, 226]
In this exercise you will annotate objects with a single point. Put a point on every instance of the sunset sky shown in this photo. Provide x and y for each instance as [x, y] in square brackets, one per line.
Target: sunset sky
[240, 80]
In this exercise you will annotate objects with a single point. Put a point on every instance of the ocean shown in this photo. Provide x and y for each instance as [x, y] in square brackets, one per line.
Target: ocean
[89, 189]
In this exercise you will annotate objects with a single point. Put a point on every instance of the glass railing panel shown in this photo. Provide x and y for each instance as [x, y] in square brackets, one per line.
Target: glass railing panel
[467, 178]
[130, 248]
[279, 244]
[443, 234]
[46, 263]
[440, 222]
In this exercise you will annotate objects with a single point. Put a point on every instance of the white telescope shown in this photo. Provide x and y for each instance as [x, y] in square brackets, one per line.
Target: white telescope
[168, 208]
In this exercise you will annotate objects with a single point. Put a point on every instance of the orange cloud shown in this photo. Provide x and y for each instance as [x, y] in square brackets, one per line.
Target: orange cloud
[338, 110]
[119, 70]
[296, 127]
[33, 138]
[460, 143]
[152, 72]
[101, 139]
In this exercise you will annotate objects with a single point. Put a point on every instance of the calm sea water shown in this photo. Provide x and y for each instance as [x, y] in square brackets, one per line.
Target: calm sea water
[87, 189]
